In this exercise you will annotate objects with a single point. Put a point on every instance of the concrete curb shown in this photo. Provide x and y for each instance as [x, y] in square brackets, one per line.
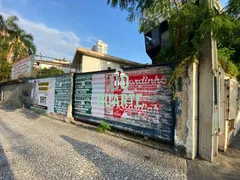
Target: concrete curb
[154, 144]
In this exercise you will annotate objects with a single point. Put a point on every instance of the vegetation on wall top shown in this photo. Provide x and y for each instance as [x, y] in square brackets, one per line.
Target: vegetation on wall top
[45, 72]
[189, 24]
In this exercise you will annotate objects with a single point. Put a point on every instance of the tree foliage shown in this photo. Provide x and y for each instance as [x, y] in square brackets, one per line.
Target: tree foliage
[5, 70]
[15, 44]
[188, 24]
[18, 43]
[224, 60]
[8, 26]
[5, 66]
[22, 44]
[45, 72]
[233, 8]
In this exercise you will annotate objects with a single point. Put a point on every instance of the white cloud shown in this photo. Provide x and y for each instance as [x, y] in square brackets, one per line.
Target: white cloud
[50, 41]
[56, 4]
[23, 1]
[90, 39]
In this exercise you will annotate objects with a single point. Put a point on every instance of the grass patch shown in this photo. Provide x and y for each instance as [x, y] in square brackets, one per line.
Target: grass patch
[103, 127]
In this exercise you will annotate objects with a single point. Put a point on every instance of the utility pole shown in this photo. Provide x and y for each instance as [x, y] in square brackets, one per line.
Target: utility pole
[40, 63]
[208, 96]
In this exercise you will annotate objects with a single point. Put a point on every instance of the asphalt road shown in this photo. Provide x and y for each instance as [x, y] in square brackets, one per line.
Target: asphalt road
[37, 147]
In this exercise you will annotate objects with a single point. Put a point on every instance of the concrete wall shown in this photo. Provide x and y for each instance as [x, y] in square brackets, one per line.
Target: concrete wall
[208, 104]
[158, 123]
[229, 121]
[12, 94]
[237, 124]
[186, 126]
[1, 94]
[223, 113]
[49, 96]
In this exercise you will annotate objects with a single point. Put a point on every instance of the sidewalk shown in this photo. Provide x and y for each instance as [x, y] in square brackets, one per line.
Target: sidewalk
[226, 165]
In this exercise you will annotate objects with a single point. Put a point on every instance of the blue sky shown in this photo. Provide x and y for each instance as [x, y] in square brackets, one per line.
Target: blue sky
[59, 26]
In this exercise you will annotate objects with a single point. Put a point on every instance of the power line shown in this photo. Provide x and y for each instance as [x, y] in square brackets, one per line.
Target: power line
[51, 57]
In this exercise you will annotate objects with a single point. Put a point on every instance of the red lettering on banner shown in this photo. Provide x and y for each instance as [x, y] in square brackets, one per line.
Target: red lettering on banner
[144, 82]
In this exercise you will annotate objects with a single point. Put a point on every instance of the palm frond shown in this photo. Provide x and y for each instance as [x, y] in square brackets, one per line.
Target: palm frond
[11, 24]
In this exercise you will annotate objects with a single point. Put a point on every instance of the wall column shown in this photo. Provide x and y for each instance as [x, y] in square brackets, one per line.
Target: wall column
[69, 113]
[208, 99]
[186, 132]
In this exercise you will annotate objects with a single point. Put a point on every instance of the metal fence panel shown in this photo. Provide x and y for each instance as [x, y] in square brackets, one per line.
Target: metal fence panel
[62, 94]
[145, 106]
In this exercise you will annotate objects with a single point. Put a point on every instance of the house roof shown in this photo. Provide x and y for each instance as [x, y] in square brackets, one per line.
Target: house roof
[81, 51]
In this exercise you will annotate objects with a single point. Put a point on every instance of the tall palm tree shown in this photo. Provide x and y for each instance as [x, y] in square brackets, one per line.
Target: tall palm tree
[8, 26]
[23, 44]
[17, 41]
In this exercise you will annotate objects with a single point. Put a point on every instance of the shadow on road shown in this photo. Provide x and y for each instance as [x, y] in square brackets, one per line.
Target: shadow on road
[236, 143]
[233, 152]
[30, 114]
[27, 112]
[5, 169]
[7, 108]
[111, 168]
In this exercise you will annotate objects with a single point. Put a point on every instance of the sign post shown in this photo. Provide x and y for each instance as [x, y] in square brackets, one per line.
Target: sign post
[23, 67]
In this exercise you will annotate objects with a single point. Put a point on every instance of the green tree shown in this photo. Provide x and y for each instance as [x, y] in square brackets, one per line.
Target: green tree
[5, 66]
[15, 39]
[5, 70]
[45, 72]
[188, 24]
[233, 8]
[224, 60]
[22, 44]
[8, 26]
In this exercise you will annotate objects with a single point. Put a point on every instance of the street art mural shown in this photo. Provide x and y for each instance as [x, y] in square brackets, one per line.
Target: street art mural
[140, 98]
[86, 90]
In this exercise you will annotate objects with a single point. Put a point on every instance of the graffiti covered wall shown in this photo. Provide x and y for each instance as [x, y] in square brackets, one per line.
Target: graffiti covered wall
[62, 94]
[49, 94]
[87, 87]
[136, 100]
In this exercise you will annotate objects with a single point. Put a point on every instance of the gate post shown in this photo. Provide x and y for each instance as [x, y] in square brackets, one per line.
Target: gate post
[185, 138]
[223, 111]
[69, 113]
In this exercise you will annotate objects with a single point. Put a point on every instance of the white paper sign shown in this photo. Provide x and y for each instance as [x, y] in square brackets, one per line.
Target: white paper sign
[23, 67]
